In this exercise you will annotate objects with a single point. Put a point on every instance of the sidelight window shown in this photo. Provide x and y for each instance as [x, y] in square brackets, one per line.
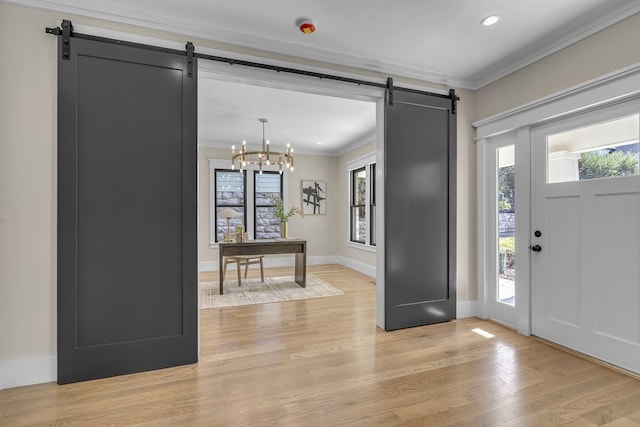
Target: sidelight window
[506, 213]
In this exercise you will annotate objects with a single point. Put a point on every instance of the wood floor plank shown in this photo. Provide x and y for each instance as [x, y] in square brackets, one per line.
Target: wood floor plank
[323, 362]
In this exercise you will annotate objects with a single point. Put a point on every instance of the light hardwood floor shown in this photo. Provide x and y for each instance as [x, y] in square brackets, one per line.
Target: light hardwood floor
[323, 362]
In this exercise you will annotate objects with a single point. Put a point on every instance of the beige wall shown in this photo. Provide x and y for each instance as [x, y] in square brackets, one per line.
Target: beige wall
[609, 50]
[28, 82]
[318, 230]
[466, 229]
[28, 162]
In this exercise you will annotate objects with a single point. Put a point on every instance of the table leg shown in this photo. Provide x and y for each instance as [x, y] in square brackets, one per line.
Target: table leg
[221, 272]
[301, 269]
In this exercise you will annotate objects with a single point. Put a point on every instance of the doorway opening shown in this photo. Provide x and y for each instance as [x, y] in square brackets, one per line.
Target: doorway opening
[231, 100]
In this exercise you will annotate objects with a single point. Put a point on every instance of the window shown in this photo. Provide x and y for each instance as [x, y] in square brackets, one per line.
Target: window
[362, 202]
[267, 185]
[506, 231]
[249, 196]
[603, 150]
[229, 192]
[358, 205]
[372, 204]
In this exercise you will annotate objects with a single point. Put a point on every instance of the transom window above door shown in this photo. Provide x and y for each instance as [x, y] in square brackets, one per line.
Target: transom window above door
[604, 150]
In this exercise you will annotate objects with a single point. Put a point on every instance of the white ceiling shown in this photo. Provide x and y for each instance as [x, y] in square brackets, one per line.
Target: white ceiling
[433, 40]
[228, 113]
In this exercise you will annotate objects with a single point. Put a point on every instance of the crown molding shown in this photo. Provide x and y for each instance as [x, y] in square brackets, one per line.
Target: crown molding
[619, 86]
[509, 66]
[365, 139]
[155, 21]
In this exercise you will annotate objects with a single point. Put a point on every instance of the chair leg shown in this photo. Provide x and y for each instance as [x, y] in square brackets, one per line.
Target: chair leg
[246, 267]
[261, 271]
[238, 269]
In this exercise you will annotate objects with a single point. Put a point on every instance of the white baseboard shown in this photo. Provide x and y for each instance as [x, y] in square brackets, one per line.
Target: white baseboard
[34, 370]
[357, 266]
[321, 260]
[466, 309]
[208, 266]
[312, 260]
[275, 262]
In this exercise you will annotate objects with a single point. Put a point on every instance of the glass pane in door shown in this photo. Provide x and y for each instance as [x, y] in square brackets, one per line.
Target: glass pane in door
[602, 150]
[506, 208]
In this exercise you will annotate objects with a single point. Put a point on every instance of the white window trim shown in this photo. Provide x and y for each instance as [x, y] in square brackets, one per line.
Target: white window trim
[357, 163]
[249, 194]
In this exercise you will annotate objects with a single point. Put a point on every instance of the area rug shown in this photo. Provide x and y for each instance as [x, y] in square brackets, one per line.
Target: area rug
[253, 291]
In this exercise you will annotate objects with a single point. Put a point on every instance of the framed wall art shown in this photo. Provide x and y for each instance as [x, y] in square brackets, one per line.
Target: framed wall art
[314, 197]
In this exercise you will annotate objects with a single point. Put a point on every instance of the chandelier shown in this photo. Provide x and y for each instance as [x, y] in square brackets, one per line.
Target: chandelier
[262, 158]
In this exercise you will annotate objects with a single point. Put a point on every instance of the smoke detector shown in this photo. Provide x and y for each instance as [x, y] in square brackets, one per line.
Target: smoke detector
[305, 25]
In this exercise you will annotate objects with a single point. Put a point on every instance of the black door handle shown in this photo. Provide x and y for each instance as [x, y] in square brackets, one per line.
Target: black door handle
[536, 248]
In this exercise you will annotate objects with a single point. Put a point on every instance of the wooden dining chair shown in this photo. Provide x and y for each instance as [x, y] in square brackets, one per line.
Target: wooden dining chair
[246, 261]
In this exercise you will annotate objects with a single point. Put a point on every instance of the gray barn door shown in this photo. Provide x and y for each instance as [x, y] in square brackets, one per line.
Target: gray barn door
[127, 244]
[419, 210]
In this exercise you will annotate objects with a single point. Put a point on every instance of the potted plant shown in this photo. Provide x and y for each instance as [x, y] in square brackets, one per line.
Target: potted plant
[283, 216]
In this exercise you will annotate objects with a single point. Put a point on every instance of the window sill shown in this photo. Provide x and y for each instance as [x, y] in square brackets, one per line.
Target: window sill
[361, 246]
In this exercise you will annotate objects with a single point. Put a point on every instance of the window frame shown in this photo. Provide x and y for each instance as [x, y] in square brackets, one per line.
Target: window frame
[368, 162]
[255, 204]
[249, 188]
[372, 203]
[213, 192]
[353, 206]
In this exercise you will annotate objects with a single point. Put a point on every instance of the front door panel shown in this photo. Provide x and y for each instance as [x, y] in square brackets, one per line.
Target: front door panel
[586, 203]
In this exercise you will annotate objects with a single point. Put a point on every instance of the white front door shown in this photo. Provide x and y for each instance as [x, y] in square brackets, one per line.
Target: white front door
[585, 234]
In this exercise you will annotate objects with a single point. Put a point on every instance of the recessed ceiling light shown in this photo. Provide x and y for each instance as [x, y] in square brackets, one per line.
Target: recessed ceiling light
[319, 143]
[490, 20]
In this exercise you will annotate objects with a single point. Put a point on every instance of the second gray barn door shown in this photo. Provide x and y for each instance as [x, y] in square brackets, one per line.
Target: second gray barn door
[419, 210]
